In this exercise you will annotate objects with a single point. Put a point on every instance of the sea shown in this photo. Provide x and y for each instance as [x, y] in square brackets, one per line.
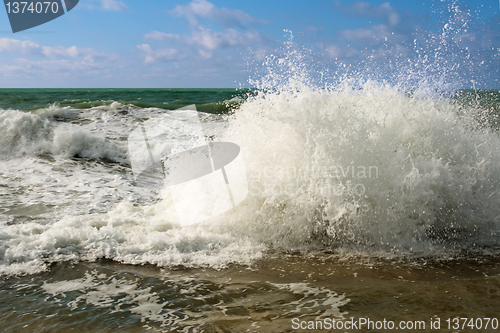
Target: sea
[366, 205]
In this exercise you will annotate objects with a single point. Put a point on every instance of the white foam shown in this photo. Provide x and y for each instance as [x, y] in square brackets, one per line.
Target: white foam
[102, 291]
[28, 133]
[436, 174]
[127, 234]
[51, 202]
[314, 300]
[122, 295]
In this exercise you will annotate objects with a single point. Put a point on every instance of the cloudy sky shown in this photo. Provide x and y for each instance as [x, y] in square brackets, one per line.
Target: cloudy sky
[201, 43]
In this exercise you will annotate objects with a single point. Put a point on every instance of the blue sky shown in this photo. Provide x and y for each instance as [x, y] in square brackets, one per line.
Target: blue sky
[201, 43]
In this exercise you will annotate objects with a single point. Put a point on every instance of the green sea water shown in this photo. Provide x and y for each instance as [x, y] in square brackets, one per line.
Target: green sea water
[210, 100]
[206, 100]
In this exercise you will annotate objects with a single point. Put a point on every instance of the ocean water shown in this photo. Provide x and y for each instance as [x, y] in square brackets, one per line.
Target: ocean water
[365, 203]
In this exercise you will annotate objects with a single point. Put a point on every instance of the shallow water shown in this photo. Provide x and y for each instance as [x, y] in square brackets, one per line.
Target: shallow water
[264, 297]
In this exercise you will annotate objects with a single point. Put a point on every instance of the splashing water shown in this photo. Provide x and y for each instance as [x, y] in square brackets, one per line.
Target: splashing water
[376, 158]
[382, 160]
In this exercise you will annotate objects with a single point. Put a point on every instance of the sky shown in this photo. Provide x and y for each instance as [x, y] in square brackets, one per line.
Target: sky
[231, 44]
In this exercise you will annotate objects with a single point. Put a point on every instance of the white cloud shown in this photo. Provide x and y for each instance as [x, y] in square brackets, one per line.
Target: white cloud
[162, 55]
[162, 36]
[203, 41]
[29, 48]
[38, 61]
[18, 46]
[205, 54]
[107, 5]
[364, 9]
[59, 51]
[202, 8]
[33, 70]
[113, 5]
[370, 35]
[212, 40]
